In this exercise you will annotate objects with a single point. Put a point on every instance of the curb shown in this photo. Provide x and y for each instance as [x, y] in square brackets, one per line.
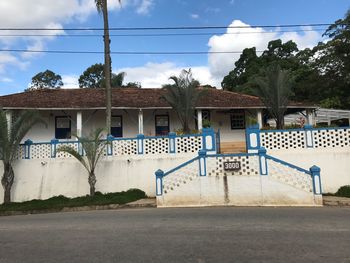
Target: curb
[142, 203]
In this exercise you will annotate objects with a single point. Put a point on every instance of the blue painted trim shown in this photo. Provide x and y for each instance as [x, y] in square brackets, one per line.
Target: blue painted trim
[202, 157]
[109, 145]
[284, 130]
[252, 130]
[181, 165]
[287, 164]
[316, 171]
[27, 144]
[140, 143]
[172, 141]
[159, 176]
[53, 148]
[332, 128]
[308, 129]
[205, 133]
[262, 154]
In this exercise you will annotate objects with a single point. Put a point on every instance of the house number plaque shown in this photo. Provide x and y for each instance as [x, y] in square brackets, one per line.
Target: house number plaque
[232, 166]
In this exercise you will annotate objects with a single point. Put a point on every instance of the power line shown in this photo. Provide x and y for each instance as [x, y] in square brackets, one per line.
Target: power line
[160, 34]
[125, 52]
[168, 28]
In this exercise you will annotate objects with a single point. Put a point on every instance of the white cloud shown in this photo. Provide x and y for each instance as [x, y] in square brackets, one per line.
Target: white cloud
[241, 38]
[144, 7]
[6, 80]
[194, 16]
[70, 81]
[154, 75]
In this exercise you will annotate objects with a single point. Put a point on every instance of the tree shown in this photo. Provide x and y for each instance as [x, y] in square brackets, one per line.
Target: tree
[101, 6]
[46, 80]
[93, 147]
[274, 89]
[11, 136]
[183, 96]
[93, 77]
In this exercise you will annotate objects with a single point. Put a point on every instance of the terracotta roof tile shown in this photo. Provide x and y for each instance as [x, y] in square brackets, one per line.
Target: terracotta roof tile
[121, 98]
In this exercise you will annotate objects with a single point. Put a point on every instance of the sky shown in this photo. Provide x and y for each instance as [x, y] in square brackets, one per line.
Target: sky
[152, 71]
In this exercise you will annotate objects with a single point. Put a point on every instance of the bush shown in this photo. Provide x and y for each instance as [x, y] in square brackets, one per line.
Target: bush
[343, 191]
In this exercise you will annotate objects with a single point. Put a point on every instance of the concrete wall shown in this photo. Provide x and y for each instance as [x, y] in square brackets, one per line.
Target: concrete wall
[334, 164]
[237, 190]
[41, 179]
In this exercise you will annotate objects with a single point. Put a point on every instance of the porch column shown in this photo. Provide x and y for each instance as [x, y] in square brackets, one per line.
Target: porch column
[259, 118]
[9, 120]
[140, 121]
[199, 119]
[79, 123]
[310, 117]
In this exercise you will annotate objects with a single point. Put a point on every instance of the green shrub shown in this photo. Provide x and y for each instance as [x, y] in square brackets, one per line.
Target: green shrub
[343, 191]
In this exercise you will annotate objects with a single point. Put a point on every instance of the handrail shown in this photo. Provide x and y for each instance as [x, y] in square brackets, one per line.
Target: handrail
[287, 164]
[181, 165]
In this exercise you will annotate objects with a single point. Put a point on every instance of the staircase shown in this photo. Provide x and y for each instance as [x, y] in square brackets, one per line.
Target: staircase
[233, 147]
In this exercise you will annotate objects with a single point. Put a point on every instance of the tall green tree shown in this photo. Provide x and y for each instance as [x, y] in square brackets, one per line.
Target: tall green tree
[46, 80]
[274, 88]
[94, 77]
[93, 147]
[183, 96]
[11, 135]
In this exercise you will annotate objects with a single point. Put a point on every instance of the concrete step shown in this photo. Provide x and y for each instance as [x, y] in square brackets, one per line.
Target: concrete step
[233, 147]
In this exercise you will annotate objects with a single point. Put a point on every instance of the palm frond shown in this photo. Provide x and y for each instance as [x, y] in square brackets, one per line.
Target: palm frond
[70, 150]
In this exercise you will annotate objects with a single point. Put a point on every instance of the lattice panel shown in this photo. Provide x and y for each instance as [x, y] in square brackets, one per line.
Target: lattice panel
[156, 146]
[331, 138]
[180, 177]
[190, 144]
[290, 176]
[40, 151]
[124, 147]
[64, 154]
[249, 165]
[283, 140]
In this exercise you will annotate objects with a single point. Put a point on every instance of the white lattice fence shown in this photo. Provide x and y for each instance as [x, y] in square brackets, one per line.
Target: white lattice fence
[39, 151]
[125, 147]
[20, 152]
[249, 165]
[283, 139]
[324, 138]
[156, 145]
[180, 176]
[60, 154]
[188, 144]
[290, 176]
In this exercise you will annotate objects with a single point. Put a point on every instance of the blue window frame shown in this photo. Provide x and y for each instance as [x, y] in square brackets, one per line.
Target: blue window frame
[117, 126]
[162, 125]
[63, 127]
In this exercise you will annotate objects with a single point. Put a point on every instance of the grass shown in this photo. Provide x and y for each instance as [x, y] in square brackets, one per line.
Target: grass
[59, 202]
[343, 191]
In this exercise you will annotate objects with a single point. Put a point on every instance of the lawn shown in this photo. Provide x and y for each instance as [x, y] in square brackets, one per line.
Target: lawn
[59, 202]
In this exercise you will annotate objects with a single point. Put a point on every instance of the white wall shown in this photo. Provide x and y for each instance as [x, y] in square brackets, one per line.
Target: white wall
[237, 190]
[41, 179]
[334, 164]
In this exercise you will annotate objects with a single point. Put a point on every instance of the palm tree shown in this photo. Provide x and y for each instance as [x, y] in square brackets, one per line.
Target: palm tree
[183, 96]
[11, 135]
[101, 6]
[93, 147]
[274, 89]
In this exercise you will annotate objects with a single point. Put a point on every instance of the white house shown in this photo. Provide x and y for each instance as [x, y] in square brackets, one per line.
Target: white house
[136, 111]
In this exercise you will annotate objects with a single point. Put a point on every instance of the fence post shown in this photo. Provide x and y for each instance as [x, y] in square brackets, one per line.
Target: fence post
[172, 145]
[308, 136]
[262, 161]
[140, 143]
[253, 139]
[53, 148]
[202, 162]
[159, 182]
[316, 179]
[209, 143]
[110, 145]
[27, 145]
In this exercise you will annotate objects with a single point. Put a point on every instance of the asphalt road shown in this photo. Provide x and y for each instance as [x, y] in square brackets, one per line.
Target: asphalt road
[179, 235]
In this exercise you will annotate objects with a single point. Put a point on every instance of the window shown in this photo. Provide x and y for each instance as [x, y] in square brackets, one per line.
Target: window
[206, 115]
[237, 119]
[62, 127]
[162, 125]
[117, 126]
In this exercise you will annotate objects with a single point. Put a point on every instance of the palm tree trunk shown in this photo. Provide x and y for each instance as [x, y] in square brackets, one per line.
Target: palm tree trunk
[108, 67]
[7, 181]
[92, 182]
